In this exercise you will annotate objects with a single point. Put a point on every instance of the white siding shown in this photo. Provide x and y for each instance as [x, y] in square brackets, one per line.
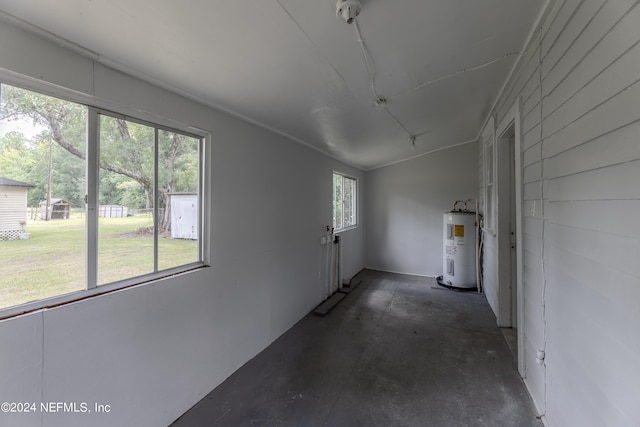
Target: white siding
[579, 87]
[13, 208]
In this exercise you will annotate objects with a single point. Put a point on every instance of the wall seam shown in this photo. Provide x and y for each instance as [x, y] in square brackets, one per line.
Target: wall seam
[42, 368]
[543, 415]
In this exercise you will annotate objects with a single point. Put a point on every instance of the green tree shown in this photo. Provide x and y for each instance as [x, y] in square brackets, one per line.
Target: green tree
[16, 157]
[126, 153]
[65, 123]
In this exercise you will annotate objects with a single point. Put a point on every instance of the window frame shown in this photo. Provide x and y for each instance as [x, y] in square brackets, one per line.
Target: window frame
[489, 169]
[92, 160]
[354, 204]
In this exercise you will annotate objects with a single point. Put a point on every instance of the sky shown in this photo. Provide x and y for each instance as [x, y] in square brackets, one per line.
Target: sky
[28, 129]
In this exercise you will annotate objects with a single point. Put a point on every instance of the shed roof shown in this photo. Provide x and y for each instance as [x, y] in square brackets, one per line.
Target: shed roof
[6, 182]
[55, 201]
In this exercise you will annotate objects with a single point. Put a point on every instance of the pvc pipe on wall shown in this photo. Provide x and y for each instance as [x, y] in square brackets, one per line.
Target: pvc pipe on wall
[328, 269]
[477, 230]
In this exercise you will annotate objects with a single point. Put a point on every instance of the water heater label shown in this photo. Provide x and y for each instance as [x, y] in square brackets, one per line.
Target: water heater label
[459, 231]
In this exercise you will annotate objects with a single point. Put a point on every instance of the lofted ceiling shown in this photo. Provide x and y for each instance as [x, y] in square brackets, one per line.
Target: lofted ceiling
[293, 67]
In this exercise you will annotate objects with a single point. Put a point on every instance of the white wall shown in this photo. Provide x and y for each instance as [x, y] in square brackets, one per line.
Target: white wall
[405, 204]
[579, 90]
[152, 351]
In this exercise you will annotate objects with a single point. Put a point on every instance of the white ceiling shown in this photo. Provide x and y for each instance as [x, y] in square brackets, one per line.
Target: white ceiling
[292, 66]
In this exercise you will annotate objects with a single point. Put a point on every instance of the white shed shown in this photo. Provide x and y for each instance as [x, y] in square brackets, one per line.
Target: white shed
[13, 208]
[112, 211]
[184, 215]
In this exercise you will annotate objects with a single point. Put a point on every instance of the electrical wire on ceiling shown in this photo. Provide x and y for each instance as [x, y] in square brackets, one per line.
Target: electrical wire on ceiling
[448, 76]
[348, 10]
[379, 101]
[365, 55]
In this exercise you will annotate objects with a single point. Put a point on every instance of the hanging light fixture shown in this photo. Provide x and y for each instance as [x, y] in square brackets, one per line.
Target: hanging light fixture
[412, 142]
[348, 10]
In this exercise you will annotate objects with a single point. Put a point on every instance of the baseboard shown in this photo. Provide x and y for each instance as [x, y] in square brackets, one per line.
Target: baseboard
[429, 276]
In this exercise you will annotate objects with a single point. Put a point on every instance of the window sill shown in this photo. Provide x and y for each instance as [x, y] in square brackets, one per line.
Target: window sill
[352, 227]
[60, 300]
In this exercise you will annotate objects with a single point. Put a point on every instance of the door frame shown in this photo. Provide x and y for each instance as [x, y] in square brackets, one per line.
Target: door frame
[511, 119]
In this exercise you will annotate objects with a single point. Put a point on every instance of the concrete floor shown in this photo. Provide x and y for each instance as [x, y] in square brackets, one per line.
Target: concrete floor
[394, 352]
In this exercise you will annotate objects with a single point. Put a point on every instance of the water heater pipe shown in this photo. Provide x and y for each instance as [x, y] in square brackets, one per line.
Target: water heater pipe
[338, 264]
[477, 225]
[328, 278]
[478, 279]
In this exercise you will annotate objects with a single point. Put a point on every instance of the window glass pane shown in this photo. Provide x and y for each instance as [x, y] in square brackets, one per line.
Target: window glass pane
[489, 163]
[348, 211]
[354, 218]
[125, 224]
[344, 201]
[337, 205]
[177, 199]
[489, 197]
[42, 187]
[489, 209]
[335, 177]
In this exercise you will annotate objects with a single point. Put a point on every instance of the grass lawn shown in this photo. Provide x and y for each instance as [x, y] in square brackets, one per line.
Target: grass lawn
[52, 261]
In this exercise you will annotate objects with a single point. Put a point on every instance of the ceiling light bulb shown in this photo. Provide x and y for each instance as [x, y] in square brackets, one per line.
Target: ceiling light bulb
[412, 142]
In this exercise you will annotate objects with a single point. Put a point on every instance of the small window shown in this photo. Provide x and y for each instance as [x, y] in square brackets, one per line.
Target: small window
[344, 202]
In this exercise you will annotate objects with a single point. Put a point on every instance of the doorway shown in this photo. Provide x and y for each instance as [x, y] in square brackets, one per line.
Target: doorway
[507, 228]
[509, 232]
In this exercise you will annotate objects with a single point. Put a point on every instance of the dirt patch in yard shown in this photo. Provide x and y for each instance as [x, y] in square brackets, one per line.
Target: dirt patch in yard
[145, 232]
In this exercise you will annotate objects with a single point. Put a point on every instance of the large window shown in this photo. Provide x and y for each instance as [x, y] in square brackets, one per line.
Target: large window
[344, 202]
[89, 198]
